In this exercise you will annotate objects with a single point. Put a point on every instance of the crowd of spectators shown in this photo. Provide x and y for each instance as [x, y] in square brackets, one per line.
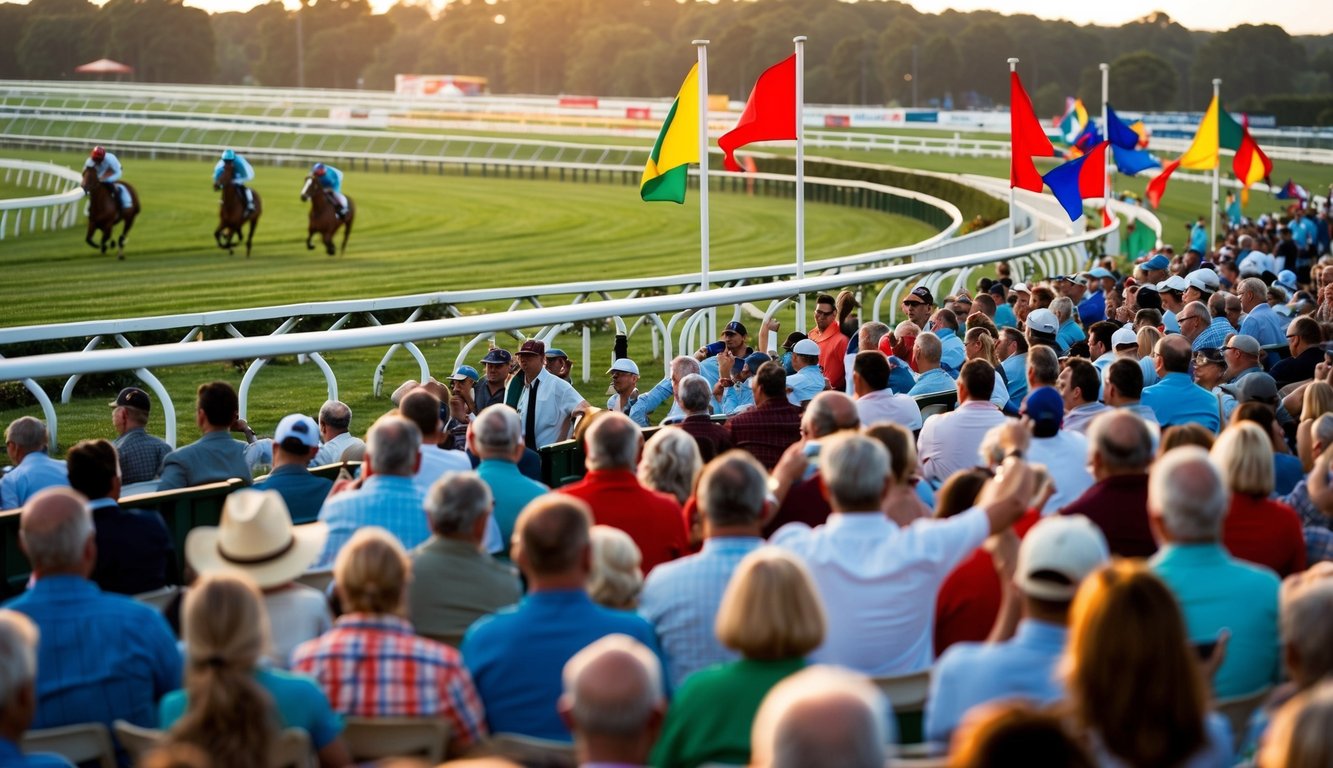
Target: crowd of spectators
[1095, 507]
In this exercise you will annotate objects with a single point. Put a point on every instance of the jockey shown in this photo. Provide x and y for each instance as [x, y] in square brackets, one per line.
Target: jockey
[241, 172]
[330, 179]
[109, 172]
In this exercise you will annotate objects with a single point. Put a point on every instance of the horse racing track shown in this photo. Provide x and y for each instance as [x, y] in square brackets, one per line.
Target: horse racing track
[415, 232]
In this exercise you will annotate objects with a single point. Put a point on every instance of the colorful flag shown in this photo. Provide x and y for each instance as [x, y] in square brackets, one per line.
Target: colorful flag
[1129, 160]
[1218, 130]
[1250, 163]
[770, 113]
[1071, 125]
[1120, 135]
[1292, 191]
[667, 172]
[1087, 139]
[1028, 139]
[1079, 179]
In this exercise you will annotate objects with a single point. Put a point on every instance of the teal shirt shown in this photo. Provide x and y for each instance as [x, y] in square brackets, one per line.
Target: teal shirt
[512, 491]
[300, 703]
[1216, 591]
[710, 716]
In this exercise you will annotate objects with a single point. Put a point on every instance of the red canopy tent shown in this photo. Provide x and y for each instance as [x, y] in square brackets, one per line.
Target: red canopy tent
[104, 67]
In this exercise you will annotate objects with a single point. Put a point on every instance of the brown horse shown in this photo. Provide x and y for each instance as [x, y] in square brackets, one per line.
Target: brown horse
[104, 214]
[324, 219]
[233, 215]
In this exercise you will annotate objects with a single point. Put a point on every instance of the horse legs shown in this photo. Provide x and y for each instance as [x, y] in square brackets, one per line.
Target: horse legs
[92, 227]
[328, 243]
[250, 239]
[124, 233]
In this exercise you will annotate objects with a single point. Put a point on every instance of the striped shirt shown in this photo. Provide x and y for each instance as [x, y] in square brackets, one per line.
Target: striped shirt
[375, 666]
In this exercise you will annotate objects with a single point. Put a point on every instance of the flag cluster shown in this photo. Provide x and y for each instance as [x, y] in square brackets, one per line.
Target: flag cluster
[1218, 130]
[1071, 182]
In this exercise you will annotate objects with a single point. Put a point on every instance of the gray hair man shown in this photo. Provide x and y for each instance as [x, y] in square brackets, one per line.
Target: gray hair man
[335, 423]
[496, 438]
[18, 683]
[459, 507]
[613, 701]
[33, 469]
[664, 392]
[1218, 594]
[821, 716]
[694, 396]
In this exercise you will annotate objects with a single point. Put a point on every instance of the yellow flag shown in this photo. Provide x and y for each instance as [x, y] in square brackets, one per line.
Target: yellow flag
[667, 171]
[1202, 154]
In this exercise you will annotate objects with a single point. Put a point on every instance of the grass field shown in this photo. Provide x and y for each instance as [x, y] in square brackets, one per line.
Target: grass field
[414, 233]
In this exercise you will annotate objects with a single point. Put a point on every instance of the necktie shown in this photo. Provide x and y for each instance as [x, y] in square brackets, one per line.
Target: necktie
[530, 423]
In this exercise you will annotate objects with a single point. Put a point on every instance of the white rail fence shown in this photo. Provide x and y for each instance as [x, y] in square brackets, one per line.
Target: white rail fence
[44, 212]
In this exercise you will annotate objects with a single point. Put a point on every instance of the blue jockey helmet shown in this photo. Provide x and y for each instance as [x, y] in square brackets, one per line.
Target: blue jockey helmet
[228, 155]
[318, 169]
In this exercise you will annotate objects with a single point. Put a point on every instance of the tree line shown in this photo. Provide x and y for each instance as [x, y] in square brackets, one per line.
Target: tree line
[871, 52]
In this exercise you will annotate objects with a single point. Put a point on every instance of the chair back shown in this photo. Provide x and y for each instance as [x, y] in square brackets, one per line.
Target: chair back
[158, 598]
[372, 738]
[529, 750]
[907, 693]
[292, 749]
[80, 743]
[1237, 710]
[137, 740]
[319, 579]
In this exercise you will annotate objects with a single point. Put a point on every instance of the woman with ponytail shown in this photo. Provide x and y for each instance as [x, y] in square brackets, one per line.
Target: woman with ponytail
[231, 707]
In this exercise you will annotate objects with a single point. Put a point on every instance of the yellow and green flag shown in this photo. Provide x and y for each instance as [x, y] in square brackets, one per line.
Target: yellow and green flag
[666, 175]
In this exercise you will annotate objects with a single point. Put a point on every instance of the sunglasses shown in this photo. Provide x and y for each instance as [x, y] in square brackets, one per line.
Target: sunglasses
[914, 303]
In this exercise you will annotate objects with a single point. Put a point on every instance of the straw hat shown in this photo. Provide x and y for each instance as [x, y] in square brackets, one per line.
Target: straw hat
[256, 537]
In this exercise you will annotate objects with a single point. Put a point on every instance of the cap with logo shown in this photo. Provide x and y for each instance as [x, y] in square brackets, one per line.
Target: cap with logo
[1079, 279]
[132, 397]
[465, 372]
[624, 365]
[806, 347]
[1043, 320]
[498, 356]
[923, 293]
[297, 426]
[533, 347]
[1057, 555]
[735, 327]
[1124, 337]
[1045, 405]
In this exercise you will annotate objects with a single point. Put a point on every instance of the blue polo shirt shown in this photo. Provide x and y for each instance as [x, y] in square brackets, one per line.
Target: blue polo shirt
[1005, 317]
[303, 492]
[512, 491]
[12, 757]
[1176, 399]
[933, 381]
[952, 351]
[516, 656]
[1069, 335]
[1217, 591]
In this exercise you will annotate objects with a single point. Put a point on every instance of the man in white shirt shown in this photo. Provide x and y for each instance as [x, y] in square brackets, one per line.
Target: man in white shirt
[874, 400]
[547, 416]
[1065, 453]
[878, 581]
[335, 421]
[950, 441]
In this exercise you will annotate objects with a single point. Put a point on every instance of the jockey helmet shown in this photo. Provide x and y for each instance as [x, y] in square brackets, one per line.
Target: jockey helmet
[228, 155]
[319, 169]
[98, 154]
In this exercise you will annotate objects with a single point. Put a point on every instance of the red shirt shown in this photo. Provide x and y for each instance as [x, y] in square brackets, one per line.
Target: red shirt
[1264, 532]
[1119, 506]
[832, 354]
[969, 599]
[652, 519]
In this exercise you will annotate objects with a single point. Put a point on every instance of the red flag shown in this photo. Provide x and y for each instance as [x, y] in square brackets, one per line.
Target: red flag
[1029, 139]
[1157, 187]
[770, 113]
[1106, 218]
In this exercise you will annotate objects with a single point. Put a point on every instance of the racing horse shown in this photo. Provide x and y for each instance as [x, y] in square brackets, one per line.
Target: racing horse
[324, 218]
[104, 214]
[232, 216]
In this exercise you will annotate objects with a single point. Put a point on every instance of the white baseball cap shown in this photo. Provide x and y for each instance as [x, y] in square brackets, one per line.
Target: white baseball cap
[1043, 320]
[624, 365]
[1124, 336]
[1057, 554]
[806, 347]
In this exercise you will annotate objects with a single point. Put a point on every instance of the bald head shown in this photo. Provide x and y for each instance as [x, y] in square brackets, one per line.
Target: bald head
[1174, 353]
[1119, 443]
[613, 442]
[830, 412]
[56, 533]
[821, 716]
[551, 538]
[613, 700]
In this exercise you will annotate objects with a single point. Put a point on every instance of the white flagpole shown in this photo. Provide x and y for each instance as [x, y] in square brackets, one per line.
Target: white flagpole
[799, 40]
[1106, 129]
[1212, 220]
[702, 46]
[1013, 67]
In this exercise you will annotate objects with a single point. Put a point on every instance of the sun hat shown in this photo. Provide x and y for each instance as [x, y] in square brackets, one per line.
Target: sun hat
[255, 536]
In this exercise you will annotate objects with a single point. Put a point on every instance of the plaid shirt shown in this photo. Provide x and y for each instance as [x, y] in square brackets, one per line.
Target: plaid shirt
[141, 455]
[766, 430]
[1214, 336]
[374, 666]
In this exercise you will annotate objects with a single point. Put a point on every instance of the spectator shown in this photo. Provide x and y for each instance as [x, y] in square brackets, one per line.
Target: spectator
[670, 464]
[1316, 400]
[821, 716]
[931, 379]
[968, 601]
[256, 538]
[1242, 354]
[547, 403]
[613, 701]
[32, 469]
[1209, 372]
[1069, 332]
[907, 500]
[624, 385]
[1101, 348]
[1261, 322]
[1306, 611]
[979, 344]
[232, 702]
[796, 484]
[1012, 349]
[140, 453]
[215, 456]
[694, 397]
[134, 550]
[948, 441]
[371, 664]
[1043, 328]
[18, 692]
[496, 438]
[1300, 736]
[874, 400]
[663, 392]
[944, 324]
[736, 394]
[295, 444]
[1043, 369]
[871, 574]
[734, 347]
[615, 579]
[681, 598]
[766, 430]
[490, 390]
[830, 341]
[457, 506]
[335, 421]
[1122, 388]
[1175, 398]
[136, 660]
[1080, 386]
[617, 498]
[808, 380]
[516, 656]
[387, 497]
[1303, 339]
[422, 407]
[1124, 625]
[1015, 733]
[772, 617]
[919, 304]
[1064, 453]
[1120, 452]
[1187, 499]
[1256, 528]
[1054, 558]
[558, 365]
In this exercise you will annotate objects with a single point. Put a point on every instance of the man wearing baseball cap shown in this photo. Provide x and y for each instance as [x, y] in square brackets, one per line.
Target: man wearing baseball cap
[557, 362]
[1053, 559]
[625, 381]
[717, 363]
[1042, 328]
[809, 380]
[1063, 451]
[919, 304]
[140, 453]
[490, 390]
[547, 403]
[295, 443]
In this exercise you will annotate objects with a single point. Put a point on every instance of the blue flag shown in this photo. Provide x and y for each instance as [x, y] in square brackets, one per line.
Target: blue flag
[1120, 135]
[1079, 179]
[1131, 161]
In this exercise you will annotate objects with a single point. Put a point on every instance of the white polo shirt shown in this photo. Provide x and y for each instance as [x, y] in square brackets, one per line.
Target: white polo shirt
[952, 441]
[556, 401]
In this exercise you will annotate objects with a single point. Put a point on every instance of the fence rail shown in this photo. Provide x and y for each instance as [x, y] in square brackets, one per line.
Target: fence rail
[57, 210]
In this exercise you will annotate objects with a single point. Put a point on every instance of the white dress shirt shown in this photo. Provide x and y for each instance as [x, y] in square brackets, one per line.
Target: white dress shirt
[884, 405]
[556, 401]
[878, 583]
[1066, 458]
[951, 441]
[1080, 418]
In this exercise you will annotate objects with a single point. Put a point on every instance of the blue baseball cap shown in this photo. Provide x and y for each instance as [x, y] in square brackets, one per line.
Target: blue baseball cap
[755, 360]
[465, 372]
[1100, 272]
[1045, 404]
[736, 327]
[498, 356]
[554, 352]
[1157, 262]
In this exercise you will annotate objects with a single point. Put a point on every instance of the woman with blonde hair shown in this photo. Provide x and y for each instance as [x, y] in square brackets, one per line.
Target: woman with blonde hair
[1256, 528]
[1125, 625]
[979, 344]
[1315, 402]
[231, 706]
[617, 575]
[771, 614]
[372, 663]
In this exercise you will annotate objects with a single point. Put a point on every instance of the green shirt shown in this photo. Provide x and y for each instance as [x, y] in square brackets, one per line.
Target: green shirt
[454, 584]
[710, 716]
